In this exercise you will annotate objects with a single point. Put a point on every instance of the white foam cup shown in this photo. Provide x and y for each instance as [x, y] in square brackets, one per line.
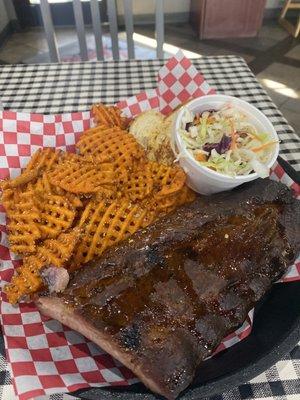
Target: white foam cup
[203, 179]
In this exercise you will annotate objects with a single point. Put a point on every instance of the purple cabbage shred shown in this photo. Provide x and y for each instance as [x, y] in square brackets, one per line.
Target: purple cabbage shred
[188, 125]
[221, 147]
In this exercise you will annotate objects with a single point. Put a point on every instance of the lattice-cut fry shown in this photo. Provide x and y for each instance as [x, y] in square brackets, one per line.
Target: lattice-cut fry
[167, 180]
[186, 195]
[56, 214]
[58, 251]
[89, 209]
[139, 183]
[108, 193]
[43, 185]
[4, 184]
[72, 198]
[72, 157]
[23, 229]
[27, 279]
[8, 197]
[82, 177]
[106, 224]
[25, 282]
[113, 144]
[166, 204]
[24, 178]
[12, 185]
[109, 116]
[44, 159]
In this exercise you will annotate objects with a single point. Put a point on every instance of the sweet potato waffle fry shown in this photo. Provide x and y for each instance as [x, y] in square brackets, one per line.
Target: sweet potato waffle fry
[109, 116]
[81, 176]
[43, 185]
[165, 205]
[140, 183]
[23, 219]
[58, 251]
[103, 194]
[25, 282]
[44, 159]
[56, 214]
[110, 144]
[55, 252]
[26, 177]
[168, 180]
[104, 225]
[7, 198]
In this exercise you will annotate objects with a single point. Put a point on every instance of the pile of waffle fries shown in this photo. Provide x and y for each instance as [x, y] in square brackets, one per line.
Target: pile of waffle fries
[66, 209]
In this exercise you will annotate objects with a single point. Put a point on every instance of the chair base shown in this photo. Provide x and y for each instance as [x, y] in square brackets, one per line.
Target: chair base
[294, 30]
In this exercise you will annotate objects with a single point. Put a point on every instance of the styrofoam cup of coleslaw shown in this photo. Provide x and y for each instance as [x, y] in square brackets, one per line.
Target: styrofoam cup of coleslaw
[201, 178]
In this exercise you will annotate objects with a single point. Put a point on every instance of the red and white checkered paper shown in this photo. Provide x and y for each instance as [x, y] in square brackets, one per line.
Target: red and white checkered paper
[178, 81]
[46, 357]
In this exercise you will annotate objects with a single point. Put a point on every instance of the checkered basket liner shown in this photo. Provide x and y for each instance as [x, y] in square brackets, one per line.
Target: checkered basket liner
[45, 356]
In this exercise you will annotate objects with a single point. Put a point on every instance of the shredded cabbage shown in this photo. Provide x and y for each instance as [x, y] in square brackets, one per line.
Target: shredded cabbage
[230, 143]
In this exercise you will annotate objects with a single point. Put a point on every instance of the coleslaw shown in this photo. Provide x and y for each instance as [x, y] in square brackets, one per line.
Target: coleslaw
[226, 141]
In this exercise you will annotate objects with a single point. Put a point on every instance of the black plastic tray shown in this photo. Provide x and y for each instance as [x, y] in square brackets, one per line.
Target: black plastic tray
[276, 331]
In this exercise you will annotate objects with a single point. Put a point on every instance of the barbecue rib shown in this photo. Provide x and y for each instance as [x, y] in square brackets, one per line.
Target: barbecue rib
[161, 301]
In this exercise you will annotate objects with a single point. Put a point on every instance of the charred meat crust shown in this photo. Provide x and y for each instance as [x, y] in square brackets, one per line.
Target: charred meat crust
[161, 301]
[55, 308]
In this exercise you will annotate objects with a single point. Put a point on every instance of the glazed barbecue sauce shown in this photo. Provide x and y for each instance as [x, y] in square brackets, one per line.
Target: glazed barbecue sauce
[169, 290]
